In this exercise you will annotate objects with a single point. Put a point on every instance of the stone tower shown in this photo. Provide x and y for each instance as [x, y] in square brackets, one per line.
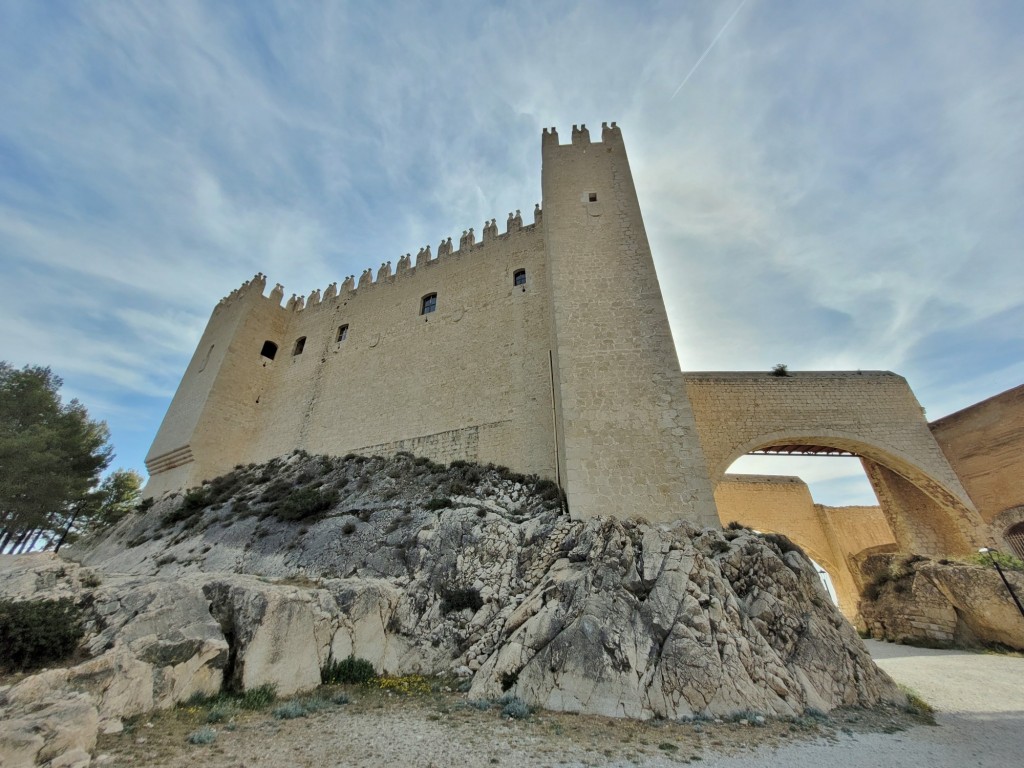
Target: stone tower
[545, 348]
[628, 440]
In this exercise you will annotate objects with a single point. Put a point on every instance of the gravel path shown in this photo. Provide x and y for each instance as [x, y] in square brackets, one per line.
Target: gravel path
[979, 703]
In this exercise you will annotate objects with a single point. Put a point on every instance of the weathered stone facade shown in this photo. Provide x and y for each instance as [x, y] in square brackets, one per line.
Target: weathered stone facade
[545, 348]
[985, 445]
[548, 350]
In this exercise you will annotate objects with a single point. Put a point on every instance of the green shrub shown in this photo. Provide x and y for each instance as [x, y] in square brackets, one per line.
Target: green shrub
[1006, 562]
[348, 670]
[219, 713]
[259, 698]
[178, 515]
[34, 633]
[548, 490]
[515, 708]
[457, 599]
[780, 370]
[202, 736]
[784, 543]
[290, 710]
[196, 499]
[306, 503]
[435, 504]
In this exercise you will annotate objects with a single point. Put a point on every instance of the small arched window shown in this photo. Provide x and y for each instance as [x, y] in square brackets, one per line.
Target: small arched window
[428, 304]
[342, 333]
[300, 344]
[519, 277]
[269, 350]
[1015, 538]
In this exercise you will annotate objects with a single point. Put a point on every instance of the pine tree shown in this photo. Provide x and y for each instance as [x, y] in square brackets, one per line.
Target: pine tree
[51, 458]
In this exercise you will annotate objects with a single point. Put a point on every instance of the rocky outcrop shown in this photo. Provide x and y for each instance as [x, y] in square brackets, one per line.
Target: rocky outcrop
[421, 569]
[920, 601]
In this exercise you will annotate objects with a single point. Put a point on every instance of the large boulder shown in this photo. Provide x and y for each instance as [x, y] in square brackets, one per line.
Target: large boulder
[912, 599]
[427, 570]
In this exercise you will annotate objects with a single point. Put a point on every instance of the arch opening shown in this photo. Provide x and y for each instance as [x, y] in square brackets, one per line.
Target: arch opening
[924, 515]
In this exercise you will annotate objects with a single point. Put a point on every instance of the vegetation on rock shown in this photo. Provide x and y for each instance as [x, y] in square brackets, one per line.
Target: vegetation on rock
[52, 456]
[34, 633]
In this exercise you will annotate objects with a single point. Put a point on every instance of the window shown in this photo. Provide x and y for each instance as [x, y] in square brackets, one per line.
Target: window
[519, 277]
[342, 333]
[300, 344]
[269, 350]
[592, 197]
[1015, 538]
[429, 304]
[202, 366]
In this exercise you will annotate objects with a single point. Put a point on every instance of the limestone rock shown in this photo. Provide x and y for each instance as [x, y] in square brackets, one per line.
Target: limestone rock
[425, 570]
[922, 601]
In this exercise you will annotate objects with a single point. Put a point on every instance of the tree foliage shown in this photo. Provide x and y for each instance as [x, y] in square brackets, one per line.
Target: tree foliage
[52, 456]
[34, 633]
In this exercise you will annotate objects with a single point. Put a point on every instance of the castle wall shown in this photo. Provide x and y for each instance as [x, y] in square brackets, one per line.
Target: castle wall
[985, 445]
[871, 414]
[629, 444]
[470, 380]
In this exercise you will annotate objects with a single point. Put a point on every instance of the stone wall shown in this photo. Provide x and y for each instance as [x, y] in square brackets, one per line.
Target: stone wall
[572, 376]
[470, 380]
[871, 414]
[630, 442]
[985, 445]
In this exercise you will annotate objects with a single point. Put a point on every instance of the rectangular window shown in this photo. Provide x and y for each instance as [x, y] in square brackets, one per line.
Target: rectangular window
[342, 333]
[429, 304]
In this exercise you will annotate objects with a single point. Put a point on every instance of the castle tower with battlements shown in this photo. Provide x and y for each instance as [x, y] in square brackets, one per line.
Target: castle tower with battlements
[545, 348]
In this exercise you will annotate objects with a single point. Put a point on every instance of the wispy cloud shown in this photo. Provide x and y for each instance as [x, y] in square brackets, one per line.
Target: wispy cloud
[837, 185]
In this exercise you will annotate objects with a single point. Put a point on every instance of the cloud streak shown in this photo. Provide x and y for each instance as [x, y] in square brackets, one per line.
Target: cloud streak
[840, 188]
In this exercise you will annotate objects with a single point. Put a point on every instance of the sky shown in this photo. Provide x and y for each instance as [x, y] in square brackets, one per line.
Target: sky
[828, 185]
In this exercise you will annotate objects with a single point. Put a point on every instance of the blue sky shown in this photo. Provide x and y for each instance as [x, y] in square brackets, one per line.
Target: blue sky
[837, 185]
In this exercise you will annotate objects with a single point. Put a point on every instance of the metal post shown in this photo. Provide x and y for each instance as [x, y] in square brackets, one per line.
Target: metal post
[1003, 577]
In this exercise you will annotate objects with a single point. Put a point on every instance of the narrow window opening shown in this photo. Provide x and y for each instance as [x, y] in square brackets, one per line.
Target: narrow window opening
[300, 344]
[202, 366]
[519, 277]
[269, 350]
[592, 197]
[342, 333]
[428, 304]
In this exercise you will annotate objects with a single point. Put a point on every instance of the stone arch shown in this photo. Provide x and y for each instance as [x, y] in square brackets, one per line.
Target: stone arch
[871, 415]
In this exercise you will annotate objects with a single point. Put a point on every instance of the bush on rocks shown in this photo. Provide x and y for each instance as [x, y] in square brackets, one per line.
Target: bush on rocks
[34, 633]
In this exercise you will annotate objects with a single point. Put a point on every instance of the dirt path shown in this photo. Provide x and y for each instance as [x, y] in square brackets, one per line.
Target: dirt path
[979, 701]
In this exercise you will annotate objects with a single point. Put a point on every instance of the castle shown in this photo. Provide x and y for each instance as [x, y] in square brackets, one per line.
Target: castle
[546, 348]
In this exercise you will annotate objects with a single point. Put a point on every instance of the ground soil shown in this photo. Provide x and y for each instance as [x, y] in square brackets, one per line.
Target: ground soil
[442, 729]
[979, 701]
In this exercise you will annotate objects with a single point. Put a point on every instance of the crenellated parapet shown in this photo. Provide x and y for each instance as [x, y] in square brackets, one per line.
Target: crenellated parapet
[580, 137]
[405, 267]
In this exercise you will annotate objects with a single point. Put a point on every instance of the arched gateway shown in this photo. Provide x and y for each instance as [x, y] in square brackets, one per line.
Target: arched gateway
[869, 414]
